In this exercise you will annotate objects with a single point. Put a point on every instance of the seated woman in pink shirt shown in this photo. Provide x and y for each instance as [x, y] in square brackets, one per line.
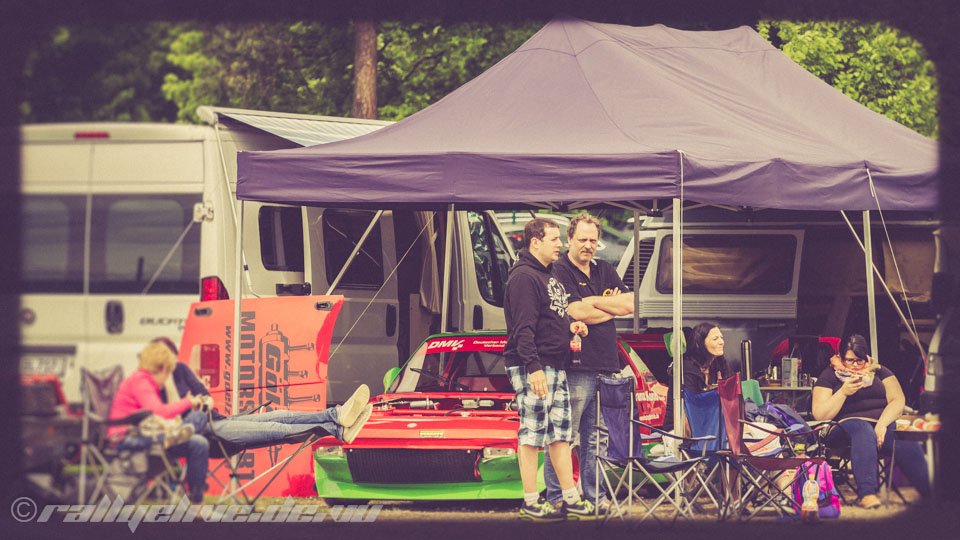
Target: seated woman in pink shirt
[141, 390]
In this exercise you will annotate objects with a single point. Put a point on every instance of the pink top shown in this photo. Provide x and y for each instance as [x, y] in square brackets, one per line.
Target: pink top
[140, 391]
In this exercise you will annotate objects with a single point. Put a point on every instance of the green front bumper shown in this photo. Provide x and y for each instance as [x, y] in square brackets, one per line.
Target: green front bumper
[500, 479]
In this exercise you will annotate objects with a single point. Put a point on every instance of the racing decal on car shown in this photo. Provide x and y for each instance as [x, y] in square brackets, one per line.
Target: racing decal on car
[467, 344]
[446, 344]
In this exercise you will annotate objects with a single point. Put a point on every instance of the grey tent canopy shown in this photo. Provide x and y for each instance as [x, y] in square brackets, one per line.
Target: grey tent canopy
[586, 113]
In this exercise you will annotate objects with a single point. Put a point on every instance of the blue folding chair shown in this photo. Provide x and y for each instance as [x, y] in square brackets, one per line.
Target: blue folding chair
[623, 455]
[703, 415]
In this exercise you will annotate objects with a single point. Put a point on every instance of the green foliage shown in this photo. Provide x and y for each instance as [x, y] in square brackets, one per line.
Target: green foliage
[109, 73]
[872, 63]
[422, 62]
[291, 67]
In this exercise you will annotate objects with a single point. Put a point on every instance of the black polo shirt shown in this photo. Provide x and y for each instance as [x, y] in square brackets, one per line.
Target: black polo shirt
[599, 351]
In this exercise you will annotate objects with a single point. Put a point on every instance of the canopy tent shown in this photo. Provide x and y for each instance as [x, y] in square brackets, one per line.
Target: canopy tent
[587, 114]
[593, 113]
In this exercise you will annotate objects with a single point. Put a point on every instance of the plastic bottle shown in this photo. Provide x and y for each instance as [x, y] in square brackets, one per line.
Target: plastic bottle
[576, 345]
[809, 510]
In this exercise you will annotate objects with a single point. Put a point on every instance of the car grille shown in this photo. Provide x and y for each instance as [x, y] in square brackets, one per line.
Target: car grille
[395, 466]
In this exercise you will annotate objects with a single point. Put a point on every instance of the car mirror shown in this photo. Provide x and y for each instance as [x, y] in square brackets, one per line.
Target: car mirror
[389, 377]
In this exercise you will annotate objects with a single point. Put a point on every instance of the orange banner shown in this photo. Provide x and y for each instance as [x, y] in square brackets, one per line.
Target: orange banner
[281, 359]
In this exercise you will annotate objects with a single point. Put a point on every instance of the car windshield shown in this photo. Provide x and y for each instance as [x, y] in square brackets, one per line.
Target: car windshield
[456, 364]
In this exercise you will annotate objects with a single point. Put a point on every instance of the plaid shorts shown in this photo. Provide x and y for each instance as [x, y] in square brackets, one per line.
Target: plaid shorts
[542, 421]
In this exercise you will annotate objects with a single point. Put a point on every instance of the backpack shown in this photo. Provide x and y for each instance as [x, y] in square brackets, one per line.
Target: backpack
[788, 419]
[829, 500]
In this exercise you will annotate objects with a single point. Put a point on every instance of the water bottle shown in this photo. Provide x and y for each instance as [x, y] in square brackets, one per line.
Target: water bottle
[576, 344]
[809, 510]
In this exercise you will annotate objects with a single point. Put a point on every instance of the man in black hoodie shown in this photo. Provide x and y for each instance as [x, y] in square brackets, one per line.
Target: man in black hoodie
[536, 355]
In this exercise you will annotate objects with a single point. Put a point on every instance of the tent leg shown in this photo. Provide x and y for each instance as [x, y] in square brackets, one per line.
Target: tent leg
[636, 272]
[871, 299]
[234, 392]
[356, 250]
[677, 314]
[447, 258]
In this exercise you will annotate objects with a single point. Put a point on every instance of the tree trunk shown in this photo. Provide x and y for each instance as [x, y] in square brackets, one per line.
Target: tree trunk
[365, 70]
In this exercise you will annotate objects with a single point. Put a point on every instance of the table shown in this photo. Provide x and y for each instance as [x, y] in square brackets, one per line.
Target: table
[798, 397]
[931, 441]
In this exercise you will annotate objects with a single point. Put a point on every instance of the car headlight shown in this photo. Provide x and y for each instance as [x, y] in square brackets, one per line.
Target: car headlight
[497, 452]
[329, 451]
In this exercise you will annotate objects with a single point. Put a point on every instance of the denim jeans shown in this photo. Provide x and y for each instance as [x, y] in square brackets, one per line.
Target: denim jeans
[583, 406]
[274, 426]
[864, 454]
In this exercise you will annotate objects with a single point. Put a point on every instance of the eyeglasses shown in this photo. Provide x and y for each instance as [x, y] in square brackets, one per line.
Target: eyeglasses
[855, 361]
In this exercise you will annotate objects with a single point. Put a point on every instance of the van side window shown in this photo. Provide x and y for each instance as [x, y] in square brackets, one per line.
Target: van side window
[281, 238]
[490, 258]
[728, 264]
[136, 239]
[51, 243]
[342, 230]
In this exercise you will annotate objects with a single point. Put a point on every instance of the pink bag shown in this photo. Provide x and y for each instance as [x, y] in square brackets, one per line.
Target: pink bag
[829, 499]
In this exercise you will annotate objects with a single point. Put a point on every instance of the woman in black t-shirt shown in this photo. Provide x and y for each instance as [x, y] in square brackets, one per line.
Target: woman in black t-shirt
[866, 399]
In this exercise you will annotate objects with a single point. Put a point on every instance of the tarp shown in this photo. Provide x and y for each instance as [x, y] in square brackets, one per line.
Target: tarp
[599, 113]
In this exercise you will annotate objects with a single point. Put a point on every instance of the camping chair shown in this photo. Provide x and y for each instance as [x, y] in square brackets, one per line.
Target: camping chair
[837, 453]
[132, 475]
[616, 405]
[758, 474]
[702, 410]
[232, 454]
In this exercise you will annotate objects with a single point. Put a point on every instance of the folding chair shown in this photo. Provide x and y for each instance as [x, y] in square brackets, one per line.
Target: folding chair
[758, 474]
[702, 410]
[837, 453]
[232, 454]
[132, 474]
[616, 401]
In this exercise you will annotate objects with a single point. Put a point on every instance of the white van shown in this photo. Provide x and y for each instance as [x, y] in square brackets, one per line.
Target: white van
[126, 225]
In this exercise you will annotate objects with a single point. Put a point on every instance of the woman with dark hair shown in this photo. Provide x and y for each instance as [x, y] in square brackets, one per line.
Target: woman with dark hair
[866, 399]
[703, 364]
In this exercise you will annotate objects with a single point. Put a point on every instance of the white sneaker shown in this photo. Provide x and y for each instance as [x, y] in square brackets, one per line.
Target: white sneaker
[348, 413]
[350, 433]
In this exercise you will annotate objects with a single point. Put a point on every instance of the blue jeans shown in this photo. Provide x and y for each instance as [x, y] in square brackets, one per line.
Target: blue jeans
[583, 406]
[274, 426]
[864, 454]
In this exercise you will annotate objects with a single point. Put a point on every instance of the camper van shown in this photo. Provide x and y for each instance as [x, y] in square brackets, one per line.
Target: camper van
[126, 226]
[769, 276]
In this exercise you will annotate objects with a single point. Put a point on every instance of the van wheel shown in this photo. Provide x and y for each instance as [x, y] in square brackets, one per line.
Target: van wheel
[343, 502]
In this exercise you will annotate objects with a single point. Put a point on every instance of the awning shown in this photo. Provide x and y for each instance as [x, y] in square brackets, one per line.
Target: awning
[303, 129]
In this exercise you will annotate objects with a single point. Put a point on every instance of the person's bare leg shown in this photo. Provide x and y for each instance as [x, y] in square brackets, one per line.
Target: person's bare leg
[562, 463]
[529, 458]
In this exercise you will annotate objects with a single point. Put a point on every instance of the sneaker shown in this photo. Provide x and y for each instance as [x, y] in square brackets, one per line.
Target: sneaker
[542, 511]
[350, 433]
[349, 412]
[582, 509]
[181, 436]
[870, 502]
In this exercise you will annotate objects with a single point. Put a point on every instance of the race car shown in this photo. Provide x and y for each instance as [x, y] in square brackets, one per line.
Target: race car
[446, 427]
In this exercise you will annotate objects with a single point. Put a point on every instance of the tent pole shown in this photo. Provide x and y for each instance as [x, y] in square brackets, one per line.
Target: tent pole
[356, 250]
[235, 341]
[677, 315]
[447, 257]
[636, 272]
[871, 299]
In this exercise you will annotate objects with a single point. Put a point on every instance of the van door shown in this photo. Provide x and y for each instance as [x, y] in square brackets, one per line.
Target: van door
[487, 258]
[364, 344]
[144, 269]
